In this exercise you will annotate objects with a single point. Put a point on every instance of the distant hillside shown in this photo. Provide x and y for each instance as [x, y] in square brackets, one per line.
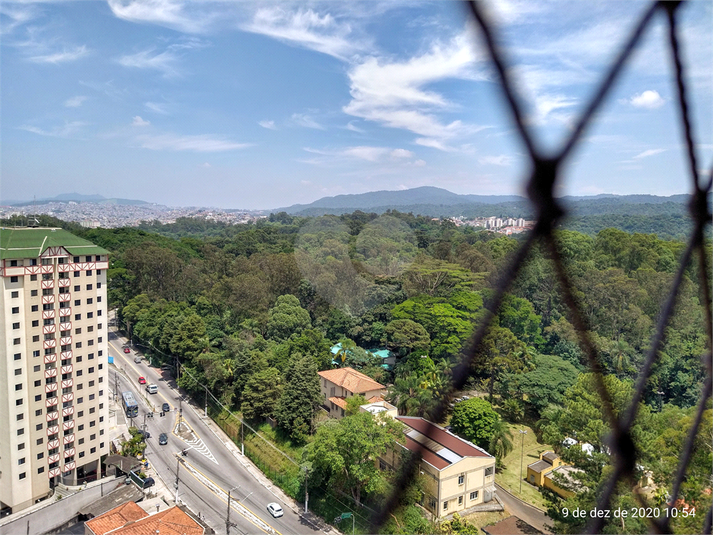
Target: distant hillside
[438, 202]
[77, 197]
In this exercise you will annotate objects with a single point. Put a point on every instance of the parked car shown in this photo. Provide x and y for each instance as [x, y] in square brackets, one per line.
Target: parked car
[152, 388]
[165, 407]
[163, 439]
[127, 350]
[142, 380]
[148, 482]
[137, 359]
[275, 509]
[145, 434]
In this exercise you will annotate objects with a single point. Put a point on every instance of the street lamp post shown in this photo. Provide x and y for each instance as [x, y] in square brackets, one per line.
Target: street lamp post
[178, 465]
[522, 453]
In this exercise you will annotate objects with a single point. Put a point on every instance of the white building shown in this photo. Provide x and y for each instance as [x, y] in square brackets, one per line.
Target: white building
[53, 376]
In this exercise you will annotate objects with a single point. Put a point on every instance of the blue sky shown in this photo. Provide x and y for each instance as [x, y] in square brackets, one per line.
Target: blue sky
[262, 104]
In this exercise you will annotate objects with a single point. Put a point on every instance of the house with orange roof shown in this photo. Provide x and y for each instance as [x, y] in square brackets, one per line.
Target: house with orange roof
[342, 383]
[130, 519]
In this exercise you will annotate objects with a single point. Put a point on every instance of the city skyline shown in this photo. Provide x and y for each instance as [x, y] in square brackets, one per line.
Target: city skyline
[256, 106]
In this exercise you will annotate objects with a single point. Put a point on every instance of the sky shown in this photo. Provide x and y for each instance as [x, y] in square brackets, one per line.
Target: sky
[258, 105]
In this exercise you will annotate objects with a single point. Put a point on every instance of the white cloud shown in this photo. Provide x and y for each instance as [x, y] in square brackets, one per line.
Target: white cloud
[303, 119]
[371, 154]
[206, 165]
[419, 163]
[138, 121]
[59, 131]
[270, 125]
[502, 160]
[649, 100]
[60, 57]
[183, 16]
[350, 126]
[647, 153]
[394, 93]
[165, 62]
[156, 107]
[306, 28]
[75, 102]
[401, 153]
[200, 143]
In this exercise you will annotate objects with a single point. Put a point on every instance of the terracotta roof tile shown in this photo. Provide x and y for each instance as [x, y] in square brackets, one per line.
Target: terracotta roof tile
[339, 402]
[116, 518]
[443, 437]
[172, 521]
[354, 381]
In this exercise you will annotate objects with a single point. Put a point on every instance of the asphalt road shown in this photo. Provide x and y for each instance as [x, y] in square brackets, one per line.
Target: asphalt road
[210, 469]
[524, 511]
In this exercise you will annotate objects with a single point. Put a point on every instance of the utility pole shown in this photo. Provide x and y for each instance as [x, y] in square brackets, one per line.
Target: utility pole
[306, 492]
[205, 411]
[522, 452]
[116, 386]
[227, 516]
[178, 465]
[242, 438]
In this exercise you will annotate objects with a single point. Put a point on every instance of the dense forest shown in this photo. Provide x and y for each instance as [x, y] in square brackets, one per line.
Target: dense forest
[253, 310]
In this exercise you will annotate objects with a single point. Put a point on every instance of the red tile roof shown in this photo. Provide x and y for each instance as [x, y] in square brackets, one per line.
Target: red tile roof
[443, 437]
[116, 518]
[427, 455]
[354, 381]
[172, 521]
[512, 525]
[339, 402]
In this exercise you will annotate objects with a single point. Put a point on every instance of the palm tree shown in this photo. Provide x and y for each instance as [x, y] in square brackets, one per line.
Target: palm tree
[501, 441]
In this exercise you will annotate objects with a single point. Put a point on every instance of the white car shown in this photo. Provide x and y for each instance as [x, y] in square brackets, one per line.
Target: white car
[275, 509]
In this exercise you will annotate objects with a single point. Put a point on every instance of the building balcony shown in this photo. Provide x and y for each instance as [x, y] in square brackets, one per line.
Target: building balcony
[46, 285]
[51, 373]
[50, 402]
[68, 425]
[48, 314]
[50, 358]
[67, 383]
[49, 343]
[68, 452]
[68, 467]
[52, 444]
[68, 439]
[66, 369]
[65, 340]
[64, 297]
[49, 329]
[52, 430]
[67, 326]
[66, 355]
[54, 458]
[67, 397]
[51, 388]
[69, 411]
[53, 473]
[47, 299]
[63, 283]
[52, 416]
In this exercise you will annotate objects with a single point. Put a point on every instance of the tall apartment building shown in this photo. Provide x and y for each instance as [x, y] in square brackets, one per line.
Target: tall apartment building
[53, 372]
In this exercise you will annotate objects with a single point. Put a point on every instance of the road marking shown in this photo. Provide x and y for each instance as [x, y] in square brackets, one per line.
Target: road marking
[196, 441]
[223, 495]
[138, 372]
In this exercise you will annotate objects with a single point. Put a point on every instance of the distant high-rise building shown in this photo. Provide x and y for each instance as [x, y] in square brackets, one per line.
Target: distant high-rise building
[53, 348]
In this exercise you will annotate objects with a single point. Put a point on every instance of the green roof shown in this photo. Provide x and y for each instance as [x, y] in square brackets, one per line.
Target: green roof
[23, 242]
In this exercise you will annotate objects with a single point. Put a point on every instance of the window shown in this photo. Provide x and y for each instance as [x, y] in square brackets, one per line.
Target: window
[89, 286]
[445, 506]
[38, 382]
[460, 500]
[100, 353]
[91, 369]
[20, 416]
[15, 310]
[35, 323]
[17, 356]
[101, 419]
[13, 279]
[101, 432]
[80, 386]
[35, 308]
[78, 345]
[79, 373]
[18, 371]
[90, 342]
[99, 312]
[16, 342]
[40, 455]
[21, 431]
[89, 273]
[93, 422]
[81, 454]
[40, 441]
[33, 277]
[91, 397]
[40, 469]
[38, 397]
[101, 366]
[90, 328]
[99, 284]
[80, 400]
[36, 338]
[77, 302]
[21, 461]
[36, 353]
[90, 357]
[21, 446]
[99, 299]
[92, 437]
[92, 410]
[18, 387]
[80, 414]
[461, 479]
[93, 450]
[23, 475]
[90, 314]
[77, 317]
[79, 358]
[38, 412]
[474, 495]
[78, 330]
[33, 293]
[99, 327]
[81, 441]
[16, 325]
[13, 263]
[80, 427]
[489, 471]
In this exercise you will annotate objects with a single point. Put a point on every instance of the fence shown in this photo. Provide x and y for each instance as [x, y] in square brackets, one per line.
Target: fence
[541, 185]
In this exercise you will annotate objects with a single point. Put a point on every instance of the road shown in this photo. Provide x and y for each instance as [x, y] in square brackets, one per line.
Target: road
[209, 468]
[524, 511]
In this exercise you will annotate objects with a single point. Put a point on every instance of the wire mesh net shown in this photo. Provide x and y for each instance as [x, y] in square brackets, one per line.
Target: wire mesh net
[544, 178]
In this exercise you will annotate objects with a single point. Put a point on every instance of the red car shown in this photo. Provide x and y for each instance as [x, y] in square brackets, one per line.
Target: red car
[127, 350]
[142, 381]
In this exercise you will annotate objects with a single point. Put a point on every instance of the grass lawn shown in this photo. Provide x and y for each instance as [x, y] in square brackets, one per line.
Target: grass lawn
[509, 478]
[480, 520]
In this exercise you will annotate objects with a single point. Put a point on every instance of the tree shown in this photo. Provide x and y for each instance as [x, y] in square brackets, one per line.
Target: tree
[498, 353]
[287, 317]
[474, 419]
[500, 443]
[261, 395]
[547, 383]
[300, 399]
[406, 336]
[344, 452]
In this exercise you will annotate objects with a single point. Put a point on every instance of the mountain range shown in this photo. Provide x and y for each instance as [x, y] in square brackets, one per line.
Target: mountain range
[75, 197]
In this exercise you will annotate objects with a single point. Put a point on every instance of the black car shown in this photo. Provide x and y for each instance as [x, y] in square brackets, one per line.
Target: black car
[166, 407]
[163, 439]
[145, 434]
[148, 482]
